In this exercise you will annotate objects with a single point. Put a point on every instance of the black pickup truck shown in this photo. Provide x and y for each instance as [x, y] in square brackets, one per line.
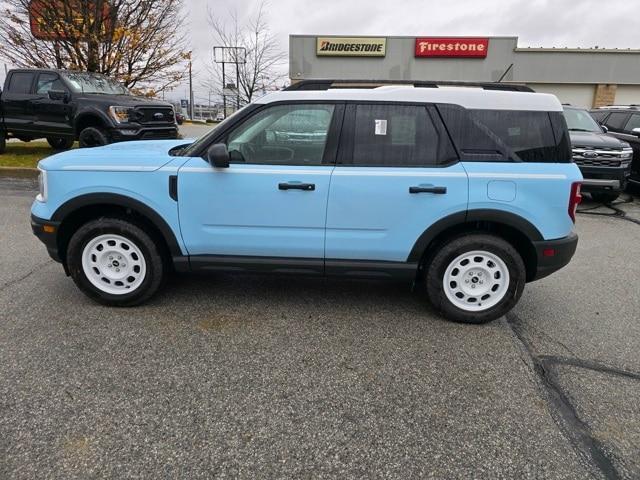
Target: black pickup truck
[64, 106]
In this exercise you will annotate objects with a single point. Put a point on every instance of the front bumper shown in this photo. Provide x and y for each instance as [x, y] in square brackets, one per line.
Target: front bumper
[129, 132]
[552, 255]
[47, 233]
[605, 178]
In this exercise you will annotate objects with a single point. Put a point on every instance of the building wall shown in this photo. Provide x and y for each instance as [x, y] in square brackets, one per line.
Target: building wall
[584, 77]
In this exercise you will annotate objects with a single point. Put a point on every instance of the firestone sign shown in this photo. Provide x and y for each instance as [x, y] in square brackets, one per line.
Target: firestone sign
[350, 47]
[452, 47]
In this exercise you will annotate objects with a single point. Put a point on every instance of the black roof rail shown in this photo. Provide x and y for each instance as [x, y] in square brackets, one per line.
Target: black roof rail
[326, 84]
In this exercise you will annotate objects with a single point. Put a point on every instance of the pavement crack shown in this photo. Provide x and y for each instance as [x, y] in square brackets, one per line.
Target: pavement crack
[13, 282]
[562, 410]
[590, 365]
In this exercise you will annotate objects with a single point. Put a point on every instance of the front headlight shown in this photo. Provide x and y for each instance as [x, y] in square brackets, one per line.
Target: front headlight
[120, 114]
[42, 186]
[627, 153]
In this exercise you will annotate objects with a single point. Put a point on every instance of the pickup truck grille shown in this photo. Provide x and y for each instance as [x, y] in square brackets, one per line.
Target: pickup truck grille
[154, 115]
[601, 156]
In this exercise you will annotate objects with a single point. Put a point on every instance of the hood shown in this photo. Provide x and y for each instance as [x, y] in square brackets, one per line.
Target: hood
[593, 139]
[136, 156]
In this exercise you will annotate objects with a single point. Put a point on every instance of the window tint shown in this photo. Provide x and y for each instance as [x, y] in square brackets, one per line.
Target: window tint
[283, 134]
[634, 122]
[504, 135]
[20, 82]
[617, 120]
[399, 135]
[49, 81]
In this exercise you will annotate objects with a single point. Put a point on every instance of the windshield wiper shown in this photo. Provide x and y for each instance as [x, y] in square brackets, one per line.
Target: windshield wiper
[580, 130]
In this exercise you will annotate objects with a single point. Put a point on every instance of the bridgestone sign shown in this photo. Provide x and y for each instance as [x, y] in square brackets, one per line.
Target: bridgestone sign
[351, 47]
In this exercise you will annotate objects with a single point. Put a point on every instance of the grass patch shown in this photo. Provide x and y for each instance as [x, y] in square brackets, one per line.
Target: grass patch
[23, 154]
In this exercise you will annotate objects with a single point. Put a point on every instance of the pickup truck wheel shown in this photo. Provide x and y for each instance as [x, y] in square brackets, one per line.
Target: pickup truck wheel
[115, 262]
[475, 278]
[3, 142]
[60, 143]
[93, 137]
[604, 197]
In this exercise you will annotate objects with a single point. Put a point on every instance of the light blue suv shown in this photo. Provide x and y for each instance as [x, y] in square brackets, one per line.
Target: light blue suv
[466, 192]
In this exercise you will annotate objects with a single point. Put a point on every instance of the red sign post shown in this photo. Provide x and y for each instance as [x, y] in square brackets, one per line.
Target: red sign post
[452, 47]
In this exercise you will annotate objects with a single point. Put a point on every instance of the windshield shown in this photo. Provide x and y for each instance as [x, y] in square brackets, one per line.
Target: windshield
[94, 83]
[204, 139]
[580, 121]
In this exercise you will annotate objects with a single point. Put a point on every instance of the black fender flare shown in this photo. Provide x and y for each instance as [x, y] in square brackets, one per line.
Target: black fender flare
[478, 215]
[124, 201]
[94, 113]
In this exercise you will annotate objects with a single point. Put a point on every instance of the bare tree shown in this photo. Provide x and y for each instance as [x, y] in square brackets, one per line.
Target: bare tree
[262, 65]
[135, 41]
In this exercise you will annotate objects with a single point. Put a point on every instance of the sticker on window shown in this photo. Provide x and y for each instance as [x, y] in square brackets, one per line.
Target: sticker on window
[381, 127]
[513, 131]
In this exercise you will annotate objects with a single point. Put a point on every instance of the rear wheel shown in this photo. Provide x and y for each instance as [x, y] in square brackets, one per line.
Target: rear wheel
[60, 143]
[115, 262]
[93, 137]
[604, 197]
[475, 278]
[3, 142]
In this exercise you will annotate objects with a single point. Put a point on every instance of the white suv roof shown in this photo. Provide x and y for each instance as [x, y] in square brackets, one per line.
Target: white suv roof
[468, 97]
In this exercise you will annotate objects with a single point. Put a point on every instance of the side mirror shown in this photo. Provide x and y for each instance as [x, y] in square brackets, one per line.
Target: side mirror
[636, 132]
[604, 128]
[218, 155]
[59, 95]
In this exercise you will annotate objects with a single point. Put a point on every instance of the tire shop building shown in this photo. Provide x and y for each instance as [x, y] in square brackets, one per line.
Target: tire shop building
[586, 77]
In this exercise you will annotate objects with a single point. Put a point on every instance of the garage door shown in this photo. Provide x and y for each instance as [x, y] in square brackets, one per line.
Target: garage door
[575, 94]
[628, 94]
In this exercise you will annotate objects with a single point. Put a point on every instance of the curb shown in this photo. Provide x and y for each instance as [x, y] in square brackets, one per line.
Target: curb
[18, 172]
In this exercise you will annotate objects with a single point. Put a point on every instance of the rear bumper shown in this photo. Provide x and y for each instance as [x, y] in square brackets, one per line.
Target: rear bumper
[552, 255]
[49, 238]
[605, 178]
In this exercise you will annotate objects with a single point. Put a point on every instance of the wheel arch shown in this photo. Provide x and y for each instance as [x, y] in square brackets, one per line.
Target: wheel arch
[90, 119]
[518, 231]
[84, 208]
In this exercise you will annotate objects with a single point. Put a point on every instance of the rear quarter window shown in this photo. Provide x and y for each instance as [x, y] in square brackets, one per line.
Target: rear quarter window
[508, 135]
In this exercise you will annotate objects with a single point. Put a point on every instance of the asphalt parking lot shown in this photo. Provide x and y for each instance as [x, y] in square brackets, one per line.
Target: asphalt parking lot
[262, 377]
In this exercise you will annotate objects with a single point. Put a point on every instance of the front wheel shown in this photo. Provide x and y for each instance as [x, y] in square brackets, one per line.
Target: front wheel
[60, 143]
[475, 278]
[93, 137]
[115, 262]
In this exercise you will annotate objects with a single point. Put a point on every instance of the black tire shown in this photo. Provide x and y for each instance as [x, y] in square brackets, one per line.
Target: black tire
[155, 267]
[93, 137]
[604, 197]
[3, 142]
[60, 143]
[452, 249]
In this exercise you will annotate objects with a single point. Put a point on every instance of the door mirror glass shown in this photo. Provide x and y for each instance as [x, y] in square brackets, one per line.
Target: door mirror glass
[60, 95]
[604, 128]
[218, 155]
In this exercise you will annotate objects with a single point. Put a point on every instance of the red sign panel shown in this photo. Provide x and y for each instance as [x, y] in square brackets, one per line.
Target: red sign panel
[452, 47]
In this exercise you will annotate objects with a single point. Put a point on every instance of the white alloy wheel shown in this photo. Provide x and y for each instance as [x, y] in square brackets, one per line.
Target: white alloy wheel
[113, 264]
[476, 281]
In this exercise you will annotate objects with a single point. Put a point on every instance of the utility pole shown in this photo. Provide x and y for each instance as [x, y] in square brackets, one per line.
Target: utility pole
[224, 96]
[190, 90]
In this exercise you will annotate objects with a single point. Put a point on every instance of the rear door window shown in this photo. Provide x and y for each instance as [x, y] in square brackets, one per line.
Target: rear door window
[397, 135]
[617, 120]
[20, 82]
[633, 122]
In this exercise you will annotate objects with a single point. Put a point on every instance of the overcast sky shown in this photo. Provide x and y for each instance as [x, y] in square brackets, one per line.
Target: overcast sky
[548, 23]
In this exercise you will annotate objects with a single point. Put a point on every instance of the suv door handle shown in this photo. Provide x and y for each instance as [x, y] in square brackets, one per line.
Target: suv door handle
[297, 186]
[428, 189]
